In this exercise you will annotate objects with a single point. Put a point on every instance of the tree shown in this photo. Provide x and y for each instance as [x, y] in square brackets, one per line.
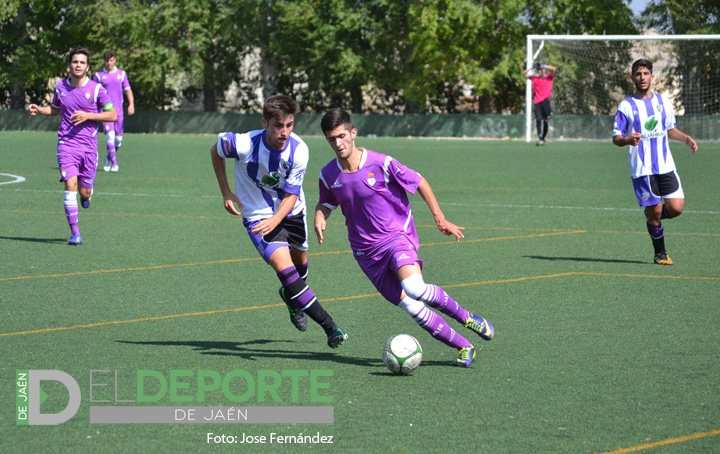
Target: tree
[34, 42]
[697, 66]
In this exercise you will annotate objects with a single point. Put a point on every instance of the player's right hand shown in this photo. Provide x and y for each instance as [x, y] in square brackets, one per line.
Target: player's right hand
[634, 139]
[33, 109]
[230, 201]
[320, 225]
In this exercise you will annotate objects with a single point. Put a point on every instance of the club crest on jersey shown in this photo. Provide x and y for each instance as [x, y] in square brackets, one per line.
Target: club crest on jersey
[645, 195]
[285, 165]
[87, 94]
[371, 179]
[62, 172]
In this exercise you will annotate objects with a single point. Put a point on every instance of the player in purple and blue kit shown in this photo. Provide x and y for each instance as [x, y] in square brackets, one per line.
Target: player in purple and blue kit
[644, 122]
[270, 166]
[371, 190]
[115, 81]
[81, 104]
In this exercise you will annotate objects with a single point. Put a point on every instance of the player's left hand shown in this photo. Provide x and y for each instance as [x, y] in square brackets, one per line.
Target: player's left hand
[690, 142]
[79, 117]
[450, 229]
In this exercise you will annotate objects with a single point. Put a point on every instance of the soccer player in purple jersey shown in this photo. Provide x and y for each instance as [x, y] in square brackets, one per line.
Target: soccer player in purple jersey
[644, 122]
[115, 81]
[371, 190]
[81, 104]
[270, 166]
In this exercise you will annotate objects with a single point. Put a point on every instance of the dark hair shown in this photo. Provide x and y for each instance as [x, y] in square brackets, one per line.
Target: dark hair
[280, 107]
[537, 66]
[334, 118]
[78, 50]
[642, 63]
[108, 55]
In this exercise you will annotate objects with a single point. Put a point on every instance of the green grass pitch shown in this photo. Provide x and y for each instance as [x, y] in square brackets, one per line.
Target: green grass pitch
[596, 349]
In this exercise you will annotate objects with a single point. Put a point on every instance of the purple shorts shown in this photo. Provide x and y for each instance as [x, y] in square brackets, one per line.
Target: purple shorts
[118, 125]
[381, 266]
[652, 189]
[78, 162]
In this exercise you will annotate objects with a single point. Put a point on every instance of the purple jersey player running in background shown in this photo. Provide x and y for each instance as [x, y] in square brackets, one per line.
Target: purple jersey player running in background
[81, 104]
[115, 81]
[371, 190]
[644, 122]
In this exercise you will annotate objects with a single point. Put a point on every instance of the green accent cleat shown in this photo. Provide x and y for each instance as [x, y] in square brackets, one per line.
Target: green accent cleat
[465, 357]
[480, 326]
[336, 338]
[297, 317]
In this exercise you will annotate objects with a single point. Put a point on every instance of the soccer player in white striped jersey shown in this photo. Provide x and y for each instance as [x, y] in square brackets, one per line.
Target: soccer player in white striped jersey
[270, 166]
[645, 122]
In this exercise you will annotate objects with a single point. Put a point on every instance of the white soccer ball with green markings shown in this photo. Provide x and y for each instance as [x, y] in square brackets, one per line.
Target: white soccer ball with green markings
[402, 354]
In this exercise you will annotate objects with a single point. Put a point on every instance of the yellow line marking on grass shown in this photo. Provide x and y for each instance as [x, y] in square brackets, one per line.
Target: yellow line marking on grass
[135, 320]
[180, 265]
[343, 298]
[669, 441]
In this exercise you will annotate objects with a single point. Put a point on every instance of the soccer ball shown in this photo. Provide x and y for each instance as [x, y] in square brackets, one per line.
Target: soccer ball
[402, 354]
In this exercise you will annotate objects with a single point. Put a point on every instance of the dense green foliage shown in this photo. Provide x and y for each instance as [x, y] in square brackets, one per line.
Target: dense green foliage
[376, 56]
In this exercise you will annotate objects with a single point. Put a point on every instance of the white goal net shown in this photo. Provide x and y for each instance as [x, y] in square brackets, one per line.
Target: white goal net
[593, 77]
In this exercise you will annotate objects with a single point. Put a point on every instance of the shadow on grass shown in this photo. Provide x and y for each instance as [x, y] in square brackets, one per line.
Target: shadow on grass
[34, 240]
[252, 351]
[583, 259]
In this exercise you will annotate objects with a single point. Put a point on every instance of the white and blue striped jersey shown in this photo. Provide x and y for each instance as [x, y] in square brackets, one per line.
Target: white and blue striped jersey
[283, 172]
[652, 118]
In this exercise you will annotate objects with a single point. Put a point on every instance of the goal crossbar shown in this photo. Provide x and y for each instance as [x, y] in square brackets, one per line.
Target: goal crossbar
[533, 38]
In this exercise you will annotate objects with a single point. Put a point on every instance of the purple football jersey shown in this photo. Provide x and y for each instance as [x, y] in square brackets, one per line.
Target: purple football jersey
[91, 97]
[374, 199]
[115, 83]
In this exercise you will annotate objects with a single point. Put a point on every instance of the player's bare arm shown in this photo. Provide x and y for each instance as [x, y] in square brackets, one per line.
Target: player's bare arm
[633, 139]
[229, 198]
[321, 214]
[445, 226]
[34, 109]
[131, 101]
[267, 225]
[680, 136]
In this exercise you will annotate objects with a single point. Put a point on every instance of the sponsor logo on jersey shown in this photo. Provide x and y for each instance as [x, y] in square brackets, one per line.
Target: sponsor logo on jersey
[337, 184]
[651, 123]
[402, 256]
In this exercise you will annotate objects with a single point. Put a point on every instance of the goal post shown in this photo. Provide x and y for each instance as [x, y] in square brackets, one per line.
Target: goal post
[593, 78]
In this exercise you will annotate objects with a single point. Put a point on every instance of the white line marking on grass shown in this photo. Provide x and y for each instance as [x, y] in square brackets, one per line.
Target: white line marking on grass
[555, 207]
[120, 194]
[17, 178]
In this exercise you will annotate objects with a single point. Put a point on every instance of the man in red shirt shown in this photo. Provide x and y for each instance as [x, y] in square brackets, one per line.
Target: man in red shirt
[542, 79]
